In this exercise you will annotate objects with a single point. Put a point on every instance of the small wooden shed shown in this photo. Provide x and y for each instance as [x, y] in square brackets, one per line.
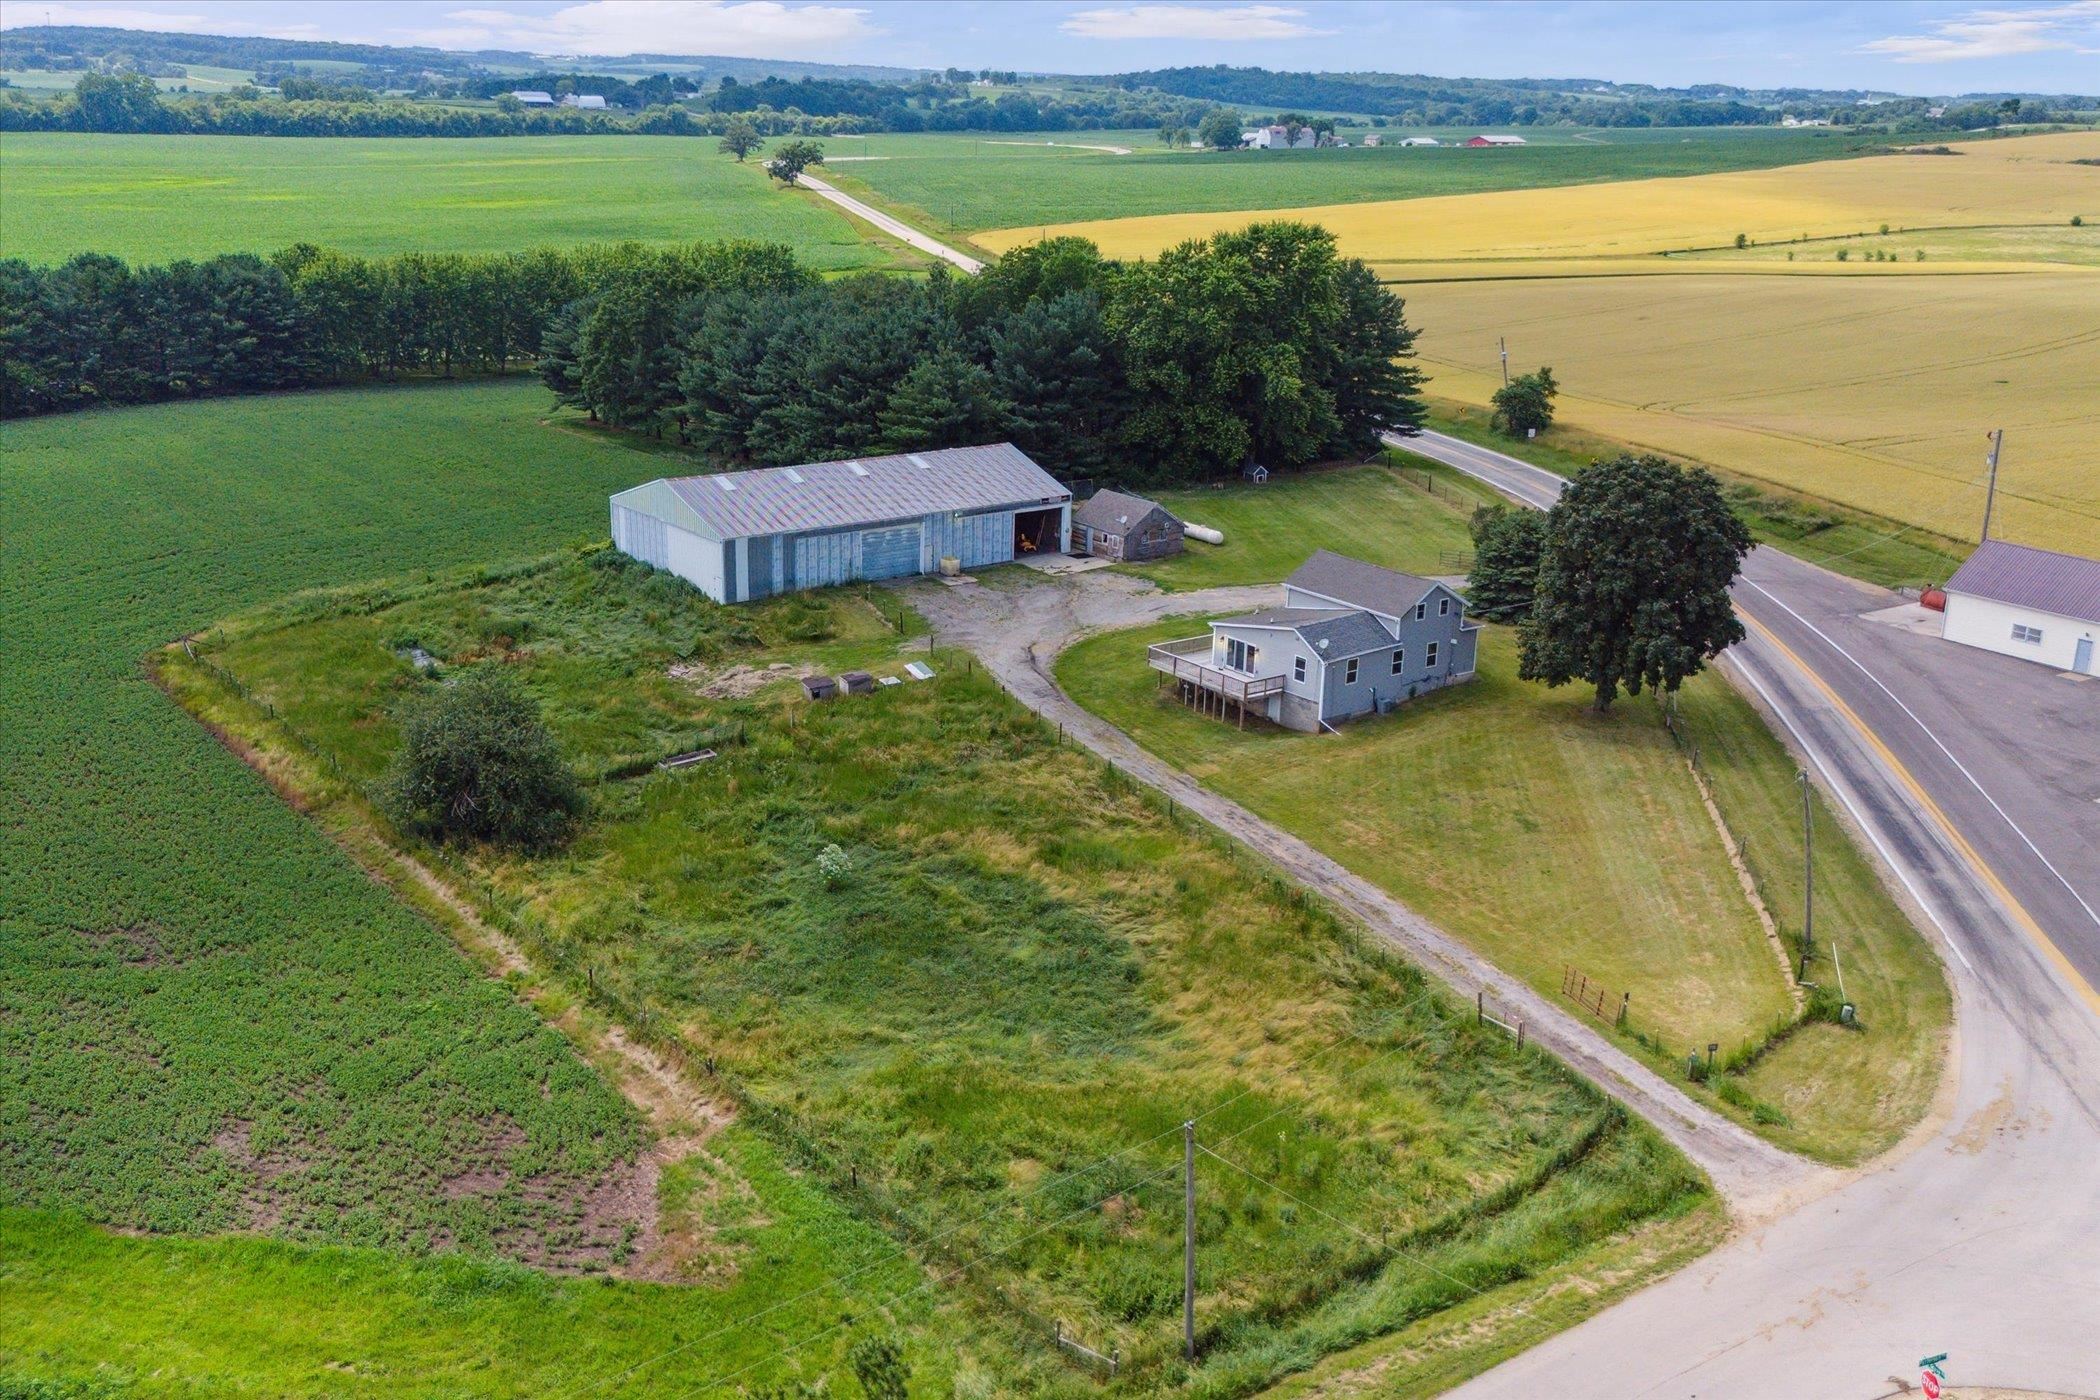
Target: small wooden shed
[1117, 526]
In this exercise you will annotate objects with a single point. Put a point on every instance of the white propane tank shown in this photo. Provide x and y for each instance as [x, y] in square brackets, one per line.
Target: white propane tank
[1203, 533]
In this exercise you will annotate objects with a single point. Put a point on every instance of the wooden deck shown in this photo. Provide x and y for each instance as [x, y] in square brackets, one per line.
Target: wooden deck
[1186, 662]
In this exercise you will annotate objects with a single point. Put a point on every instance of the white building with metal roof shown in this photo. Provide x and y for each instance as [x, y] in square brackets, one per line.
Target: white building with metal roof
[2035, 604]
[753, 534]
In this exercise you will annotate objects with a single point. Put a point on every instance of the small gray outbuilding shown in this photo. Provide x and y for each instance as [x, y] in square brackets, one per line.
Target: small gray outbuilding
[1113, 525]
[736, 536]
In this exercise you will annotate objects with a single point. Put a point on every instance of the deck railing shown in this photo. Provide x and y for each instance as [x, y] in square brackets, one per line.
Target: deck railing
[1178, 660]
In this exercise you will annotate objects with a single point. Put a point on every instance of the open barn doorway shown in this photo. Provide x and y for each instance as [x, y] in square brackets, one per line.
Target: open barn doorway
[1035, 532]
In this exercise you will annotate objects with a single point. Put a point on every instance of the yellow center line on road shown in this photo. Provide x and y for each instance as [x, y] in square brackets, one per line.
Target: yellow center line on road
[2025, 920]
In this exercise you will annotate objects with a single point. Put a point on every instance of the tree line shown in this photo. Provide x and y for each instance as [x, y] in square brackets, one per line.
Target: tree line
[1260, 345]
[95, 330]
[131, 103]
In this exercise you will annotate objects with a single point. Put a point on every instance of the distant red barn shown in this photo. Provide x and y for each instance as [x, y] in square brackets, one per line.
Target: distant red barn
[1479, 141]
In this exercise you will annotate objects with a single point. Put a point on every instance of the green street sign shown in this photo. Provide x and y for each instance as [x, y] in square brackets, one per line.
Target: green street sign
[1932, 1364]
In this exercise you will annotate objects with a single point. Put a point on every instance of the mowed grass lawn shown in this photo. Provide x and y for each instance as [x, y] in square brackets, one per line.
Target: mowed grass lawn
[1549, 837]
[157, 198]
[969, 183]
[1413, 520]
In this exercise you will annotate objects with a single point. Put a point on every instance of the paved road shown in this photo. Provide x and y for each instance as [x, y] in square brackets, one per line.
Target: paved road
[1018, 633]
[1970, 774]
[889, 224]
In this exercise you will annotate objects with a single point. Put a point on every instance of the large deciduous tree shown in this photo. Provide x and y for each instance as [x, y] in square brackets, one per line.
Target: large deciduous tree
[790, 160]
[1633, 579]
[740, 139]
[1220, 129]
[476, 763]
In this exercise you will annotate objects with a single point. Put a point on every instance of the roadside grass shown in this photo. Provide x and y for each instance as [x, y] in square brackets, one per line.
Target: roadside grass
[1846, 1093]
[1549, 837]
[1851, 542]
[211, 1317]
[1021, 1138]
[1371, 512]
[151, 198]
[968, 182]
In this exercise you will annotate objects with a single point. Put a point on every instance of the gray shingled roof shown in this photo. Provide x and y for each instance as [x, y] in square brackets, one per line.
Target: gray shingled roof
[2064, 584]
[866, 490]
[1114, 511]
[1344, 631]
[1358, 584]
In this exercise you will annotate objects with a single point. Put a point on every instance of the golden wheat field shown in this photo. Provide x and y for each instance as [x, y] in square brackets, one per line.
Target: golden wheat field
[2019, 181]
[1869, 383]
[1873, 392]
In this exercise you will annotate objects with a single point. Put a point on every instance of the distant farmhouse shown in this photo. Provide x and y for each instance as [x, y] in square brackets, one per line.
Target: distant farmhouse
[532, 97]
[1374, 139]
[1115, 526]
[753, 534]
[1351, 639]
[1278, 138]
[1479, 141]
[2035, 604]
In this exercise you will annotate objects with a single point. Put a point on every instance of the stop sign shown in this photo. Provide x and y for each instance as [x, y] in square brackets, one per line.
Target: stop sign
[1932, 1386]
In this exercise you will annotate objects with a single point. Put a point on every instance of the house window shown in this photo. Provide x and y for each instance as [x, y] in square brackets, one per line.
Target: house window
[2023, 633]
[1349, 673]
[1399, 660]
[1443, 607]
[1239, 655]
[1298, 669]
[1421, 610]
[1432, 656]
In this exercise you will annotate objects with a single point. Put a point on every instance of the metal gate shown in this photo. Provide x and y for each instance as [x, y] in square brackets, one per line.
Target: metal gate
[891, 553]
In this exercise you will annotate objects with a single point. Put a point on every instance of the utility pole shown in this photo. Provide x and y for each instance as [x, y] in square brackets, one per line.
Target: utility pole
[1188, 1240]
[1808, 879]
[1503, 343]
[1990, 492]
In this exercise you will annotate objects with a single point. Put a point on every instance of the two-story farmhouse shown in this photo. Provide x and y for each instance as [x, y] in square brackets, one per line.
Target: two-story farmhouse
[1350, 639]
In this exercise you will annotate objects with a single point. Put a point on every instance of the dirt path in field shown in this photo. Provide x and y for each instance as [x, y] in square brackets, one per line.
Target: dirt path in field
[1018, 633]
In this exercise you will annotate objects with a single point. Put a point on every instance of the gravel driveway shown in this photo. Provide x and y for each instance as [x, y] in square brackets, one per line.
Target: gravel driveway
[1017, 631]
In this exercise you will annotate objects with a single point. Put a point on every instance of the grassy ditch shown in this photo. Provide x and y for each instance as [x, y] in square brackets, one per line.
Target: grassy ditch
[1381, 1160]
[1551, 838]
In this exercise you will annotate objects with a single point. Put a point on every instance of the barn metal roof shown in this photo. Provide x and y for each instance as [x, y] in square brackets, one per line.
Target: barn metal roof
[1114, 511]
[1360, 585]
[866, 490]
[2064, 584]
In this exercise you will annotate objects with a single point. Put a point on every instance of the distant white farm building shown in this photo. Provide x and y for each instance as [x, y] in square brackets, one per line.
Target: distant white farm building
[532, 97]
[2035, 604]
[753, 534]
[1278, 138]
[1421, 141]
[584, 101]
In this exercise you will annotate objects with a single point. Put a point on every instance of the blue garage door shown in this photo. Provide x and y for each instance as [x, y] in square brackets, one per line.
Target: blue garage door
[889, 553]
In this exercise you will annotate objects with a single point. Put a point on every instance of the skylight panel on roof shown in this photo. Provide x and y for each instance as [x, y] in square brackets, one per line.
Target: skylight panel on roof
[920, 462]
[794, 476]
[856, 468]
[725, 483]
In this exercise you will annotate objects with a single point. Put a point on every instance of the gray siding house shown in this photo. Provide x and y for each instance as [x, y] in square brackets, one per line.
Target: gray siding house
[1115, 526]
[1351, 639]
[753, 534]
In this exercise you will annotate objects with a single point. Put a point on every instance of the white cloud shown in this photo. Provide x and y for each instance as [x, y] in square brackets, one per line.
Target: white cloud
[1192, 22]
[734, 28]
[25, 15]
[2073, 28]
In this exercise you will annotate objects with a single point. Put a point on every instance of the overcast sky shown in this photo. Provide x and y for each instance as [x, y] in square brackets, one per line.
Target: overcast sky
[1918, 46]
